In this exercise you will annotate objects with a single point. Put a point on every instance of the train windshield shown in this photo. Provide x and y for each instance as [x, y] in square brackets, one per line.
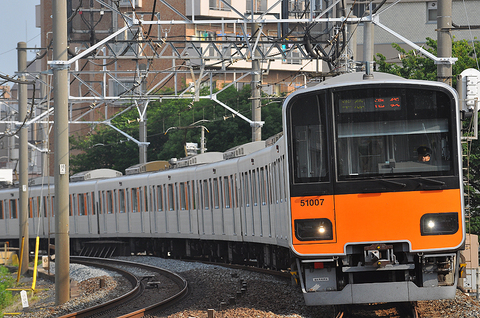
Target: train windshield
[392, 132]
[309, 139]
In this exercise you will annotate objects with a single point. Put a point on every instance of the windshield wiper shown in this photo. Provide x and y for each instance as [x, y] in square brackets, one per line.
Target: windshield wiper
[396, 183]
[437, 184]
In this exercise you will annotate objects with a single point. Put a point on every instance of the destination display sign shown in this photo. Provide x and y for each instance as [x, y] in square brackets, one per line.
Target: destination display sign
[378, 104]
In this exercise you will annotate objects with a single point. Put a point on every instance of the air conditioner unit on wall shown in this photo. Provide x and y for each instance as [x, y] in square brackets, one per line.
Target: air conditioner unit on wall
[128, 3]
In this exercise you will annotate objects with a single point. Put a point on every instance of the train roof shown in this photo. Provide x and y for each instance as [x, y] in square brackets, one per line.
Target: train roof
[243, 150]
[360, 76]
[95, 174]
[151, 166]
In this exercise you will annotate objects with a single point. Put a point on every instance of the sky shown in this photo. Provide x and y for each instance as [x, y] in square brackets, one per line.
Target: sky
[18, 20]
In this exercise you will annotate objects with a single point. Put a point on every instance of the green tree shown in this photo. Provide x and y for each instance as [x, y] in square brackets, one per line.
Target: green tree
[167, 133]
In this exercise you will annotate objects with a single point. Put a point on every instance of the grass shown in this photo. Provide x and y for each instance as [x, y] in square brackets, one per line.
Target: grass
[6, 281]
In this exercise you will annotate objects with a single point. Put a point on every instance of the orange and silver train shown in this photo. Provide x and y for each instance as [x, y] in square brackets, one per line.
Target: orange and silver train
[375, 189]
[361, 198]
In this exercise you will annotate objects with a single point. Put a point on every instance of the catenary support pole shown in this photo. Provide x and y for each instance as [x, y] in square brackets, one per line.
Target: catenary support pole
[61, 166]
[256, 82]
[444, 40]
[23, 158]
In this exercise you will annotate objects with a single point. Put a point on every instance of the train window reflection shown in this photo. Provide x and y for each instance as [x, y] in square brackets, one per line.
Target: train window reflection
[414, 138]
[309, 140]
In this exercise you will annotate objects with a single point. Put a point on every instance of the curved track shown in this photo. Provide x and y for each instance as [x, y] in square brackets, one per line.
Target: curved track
[105, 309]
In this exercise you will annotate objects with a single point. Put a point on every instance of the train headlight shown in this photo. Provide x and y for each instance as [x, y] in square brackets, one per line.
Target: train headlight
[313, 229]
[439, 223]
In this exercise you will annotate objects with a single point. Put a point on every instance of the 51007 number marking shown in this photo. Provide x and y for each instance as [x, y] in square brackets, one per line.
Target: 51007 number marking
[311, 202]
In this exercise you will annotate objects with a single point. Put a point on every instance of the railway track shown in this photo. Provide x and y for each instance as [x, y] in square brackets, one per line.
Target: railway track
[398, 310]
[153, 289]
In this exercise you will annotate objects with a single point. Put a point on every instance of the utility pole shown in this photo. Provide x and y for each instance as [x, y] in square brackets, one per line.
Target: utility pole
[23, 158]
[444, 40]
[142, 126]
[256, 82]
[61, 166]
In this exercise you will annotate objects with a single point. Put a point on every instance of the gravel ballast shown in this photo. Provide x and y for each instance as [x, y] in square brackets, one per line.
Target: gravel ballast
[229, 292]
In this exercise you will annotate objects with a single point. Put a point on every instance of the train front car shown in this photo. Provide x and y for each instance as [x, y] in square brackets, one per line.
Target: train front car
[375, 183]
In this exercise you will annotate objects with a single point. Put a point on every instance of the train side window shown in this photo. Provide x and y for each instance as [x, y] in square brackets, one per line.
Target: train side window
[74, 204]
[134, 200]
[233, 187]
[52, 205]
[141, 199]
[94, 211]
[70, 205]
[128, 207]
[115, 201]
[159, 198]
[89, 203]
[183, 201]
[2, 216]
[29, 208]
[263, 186]
[171, 197]
[13, 208]
[45, 209]
[192, 196]
[100, 202]
[246, 188]
[152, 198]
[81, 204]
[121, 200]
[206, 201]
[254, 188]
[226, 193]
[109, 202]
[216, 195]
[188, 195]
[145, 197]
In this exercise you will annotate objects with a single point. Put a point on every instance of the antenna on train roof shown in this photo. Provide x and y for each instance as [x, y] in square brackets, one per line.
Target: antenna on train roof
[368, 74]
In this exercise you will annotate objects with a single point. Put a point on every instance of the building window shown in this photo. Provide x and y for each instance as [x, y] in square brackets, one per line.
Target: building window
[219, 5]
[431, 12]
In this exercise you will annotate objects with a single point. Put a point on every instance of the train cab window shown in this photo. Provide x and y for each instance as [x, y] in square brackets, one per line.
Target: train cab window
[308, 138]
[393, 132]
[2, 216]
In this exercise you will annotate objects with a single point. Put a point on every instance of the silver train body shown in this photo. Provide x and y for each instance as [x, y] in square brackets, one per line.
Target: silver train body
[320, 200]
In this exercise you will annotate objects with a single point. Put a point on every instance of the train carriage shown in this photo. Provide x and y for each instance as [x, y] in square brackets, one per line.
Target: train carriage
[375, 189]
[361, 198]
